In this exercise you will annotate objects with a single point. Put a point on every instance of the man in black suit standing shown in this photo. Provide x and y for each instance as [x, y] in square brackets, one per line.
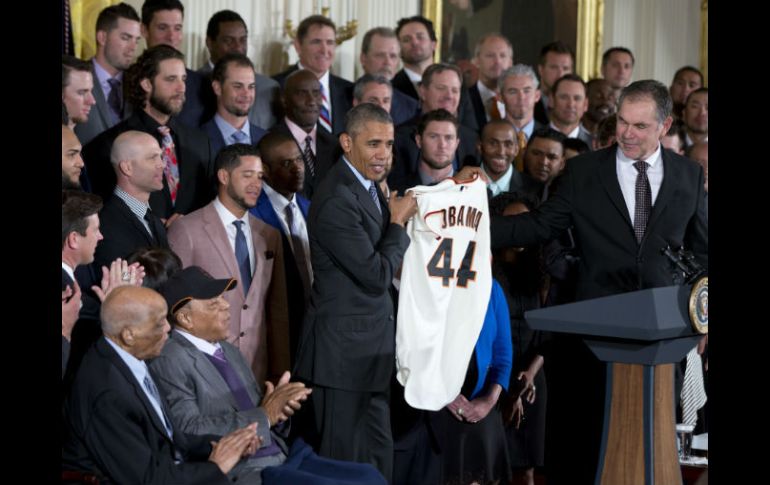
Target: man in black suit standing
[156, 89]
[302, 103]
[315, 44]
[347, 345]
[626, 202]
[494, 54]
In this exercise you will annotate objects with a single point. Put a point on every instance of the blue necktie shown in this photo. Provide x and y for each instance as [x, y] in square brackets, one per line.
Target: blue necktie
[239, 137]
[150, 386]
[324, 117]
[242, 256]
[373, 193]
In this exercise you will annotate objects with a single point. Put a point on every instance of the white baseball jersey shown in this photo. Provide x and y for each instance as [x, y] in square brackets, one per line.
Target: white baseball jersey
[446, 281]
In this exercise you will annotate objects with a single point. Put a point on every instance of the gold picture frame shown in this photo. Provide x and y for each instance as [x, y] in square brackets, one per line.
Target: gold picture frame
[590, 15]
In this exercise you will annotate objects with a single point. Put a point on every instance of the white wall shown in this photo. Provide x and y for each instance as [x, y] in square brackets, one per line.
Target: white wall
[664, 35]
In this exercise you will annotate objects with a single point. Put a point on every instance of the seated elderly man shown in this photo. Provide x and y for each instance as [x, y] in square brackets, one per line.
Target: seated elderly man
[211, 390]
[117, 426]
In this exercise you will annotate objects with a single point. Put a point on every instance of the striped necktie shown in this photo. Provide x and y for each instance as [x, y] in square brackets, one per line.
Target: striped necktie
[693, 393]
[325, 117]
[375, 198]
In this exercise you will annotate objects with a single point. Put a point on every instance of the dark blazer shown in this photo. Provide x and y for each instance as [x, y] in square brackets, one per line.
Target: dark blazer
[479, 111]
[348, 336]
[402, 82]
[339, 96]
[217, 140]
[541, 113]
[294, 289]
[196, 169]
[123, 233]
[113, 430]
[328, 151]
[200, 102]
[402, 107]
[589, 198]
[267, 98]
[406, 154]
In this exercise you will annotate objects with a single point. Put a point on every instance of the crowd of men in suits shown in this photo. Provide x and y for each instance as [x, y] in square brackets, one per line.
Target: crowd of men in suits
[278, 208]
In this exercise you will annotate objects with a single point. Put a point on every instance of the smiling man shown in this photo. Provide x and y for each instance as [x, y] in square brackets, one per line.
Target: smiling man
[625, 202]
[225, 240]
[347, 347]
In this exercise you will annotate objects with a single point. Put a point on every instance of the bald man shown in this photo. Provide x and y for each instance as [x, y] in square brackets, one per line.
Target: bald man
[127, 221]
[117, 423]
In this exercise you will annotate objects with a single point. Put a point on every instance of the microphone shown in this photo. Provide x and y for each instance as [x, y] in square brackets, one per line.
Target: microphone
[686, 268]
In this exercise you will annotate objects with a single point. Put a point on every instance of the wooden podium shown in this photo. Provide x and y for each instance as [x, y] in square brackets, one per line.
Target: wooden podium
[640, 335]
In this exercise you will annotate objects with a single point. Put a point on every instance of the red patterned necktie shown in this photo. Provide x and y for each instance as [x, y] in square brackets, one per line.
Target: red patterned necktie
[171, 168]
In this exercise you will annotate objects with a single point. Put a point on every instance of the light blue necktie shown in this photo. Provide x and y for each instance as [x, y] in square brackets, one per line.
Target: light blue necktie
[373, 193]
[239, 137]
[150, 386]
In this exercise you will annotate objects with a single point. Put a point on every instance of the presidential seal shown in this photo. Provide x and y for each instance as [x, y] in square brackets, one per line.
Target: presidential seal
[699, 305]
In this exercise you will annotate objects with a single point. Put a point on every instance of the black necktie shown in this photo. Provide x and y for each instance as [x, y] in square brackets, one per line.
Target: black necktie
[643, 200]
[148, 216]
[115, 99]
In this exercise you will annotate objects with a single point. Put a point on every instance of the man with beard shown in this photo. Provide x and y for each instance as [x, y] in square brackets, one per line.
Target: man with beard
[71, 161]
[498, 148]
[601, 103]
[440, 89]
[696, 117]
[226, 241]
[117, 35]
[156, 89]
[379, 57]
[519, 90]
[281, 206]
[302, 103]
[234, 87]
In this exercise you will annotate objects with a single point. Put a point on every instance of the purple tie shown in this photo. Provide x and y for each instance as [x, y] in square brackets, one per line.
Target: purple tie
[233, 380]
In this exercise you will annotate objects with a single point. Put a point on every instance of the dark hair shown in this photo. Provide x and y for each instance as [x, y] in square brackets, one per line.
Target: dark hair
[499, 202]
[691, 69]
[438, 68]
[649, 88]
[677, 129]
[76, 207]
[697, 91]
[212, 29]
[437, 115]
[159, 265]
[147, 67]
[229, 157]
[220, 68]
[358, 87]
[270, 141]
[549, 134]
[419, 19]
[386, 32]
[557, 47]
[606, 129]
[612, 50]
[149, 7]
[569, 77]
[308, 22]
[576, 144]
[363, 113]
[108, 18]
[69, 64]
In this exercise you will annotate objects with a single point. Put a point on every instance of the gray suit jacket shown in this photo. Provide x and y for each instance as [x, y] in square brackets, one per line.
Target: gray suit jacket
[266, 109]
[199, 400]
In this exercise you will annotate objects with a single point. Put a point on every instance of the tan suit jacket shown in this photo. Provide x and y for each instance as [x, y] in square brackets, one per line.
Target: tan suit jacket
[259, 322]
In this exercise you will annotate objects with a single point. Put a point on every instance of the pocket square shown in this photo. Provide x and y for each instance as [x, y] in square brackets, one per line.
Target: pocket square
[269, 255]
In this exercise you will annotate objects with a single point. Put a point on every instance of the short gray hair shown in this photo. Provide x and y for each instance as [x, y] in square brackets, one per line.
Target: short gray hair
[363, 113]
[517, 70]
[649, 89]
[358, 88]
